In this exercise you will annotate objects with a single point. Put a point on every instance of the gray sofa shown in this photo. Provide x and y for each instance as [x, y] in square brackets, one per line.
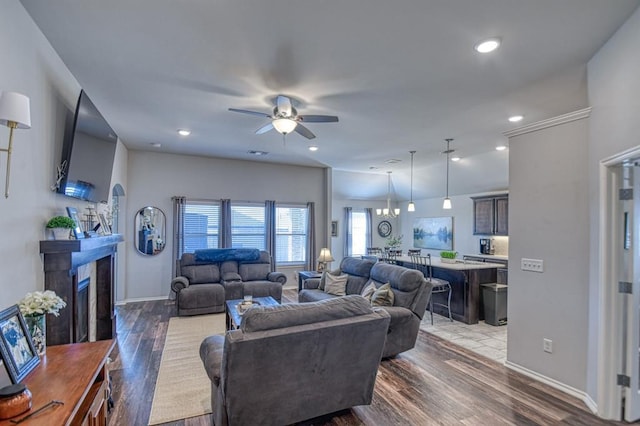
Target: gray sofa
[293, 362]
[202, 286]
[411, 294]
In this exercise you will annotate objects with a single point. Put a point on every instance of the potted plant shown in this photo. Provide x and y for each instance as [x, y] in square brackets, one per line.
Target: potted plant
[447, 256]
[61, 226]
[394, 241]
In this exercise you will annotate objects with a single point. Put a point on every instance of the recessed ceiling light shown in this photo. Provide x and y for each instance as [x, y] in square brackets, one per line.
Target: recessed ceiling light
[501, 147]
[456, 158]
[313, 148]
[184, 132]
[155, 144]
[516, 118]
[488, 45]
[252, 152]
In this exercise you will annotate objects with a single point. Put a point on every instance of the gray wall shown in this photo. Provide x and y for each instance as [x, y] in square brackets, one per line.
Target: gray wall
[155, 177]
[614, 126]
[549, 220]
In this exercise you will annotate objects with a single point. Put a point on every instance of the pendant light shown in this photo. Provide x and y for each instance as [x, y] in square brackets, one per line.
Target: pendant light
[411, 207]
[447, 201]
[387, 213]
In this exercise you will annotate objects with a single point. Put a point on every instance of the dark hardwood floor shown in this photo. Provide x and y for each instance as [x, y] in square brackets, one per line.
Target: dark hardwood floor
[436, 383]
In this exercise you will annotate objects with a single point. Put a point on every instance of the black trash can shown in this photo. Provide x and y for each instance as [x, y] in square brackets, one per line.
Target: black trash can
[494, 299]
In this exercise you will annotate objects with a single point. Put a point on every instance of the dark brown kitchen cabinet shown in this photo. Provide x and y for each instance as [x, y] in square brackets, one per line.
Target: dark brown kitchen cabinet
[491, 215]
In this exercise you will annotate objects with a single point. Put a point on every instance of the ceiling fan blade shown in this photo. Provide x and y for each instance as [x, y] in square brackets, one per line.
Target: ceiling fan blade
[318, 118]
[264, 129]
[284, 105]
[304, 131]
[244, 111]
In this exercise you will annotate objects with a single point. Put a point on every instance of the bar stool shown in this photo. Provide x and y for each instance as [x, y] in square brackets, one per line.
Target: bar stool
[439, 285]
[374, 251]
[414, 252]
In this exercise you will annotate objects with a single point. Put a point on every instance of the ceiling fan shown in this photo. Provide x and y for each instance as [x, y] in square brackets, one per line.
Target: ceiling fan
[285, 118]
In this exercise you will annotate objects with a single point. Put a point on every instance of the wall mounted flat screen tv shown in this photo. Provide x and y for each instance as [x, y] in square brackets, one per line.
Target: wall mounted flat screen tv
[88, 154]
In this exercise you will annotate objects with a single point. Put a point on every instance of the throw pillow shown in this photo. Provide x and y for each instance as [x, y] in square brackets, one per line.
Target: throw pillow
[323, 278]
[336, 285]
[383, 296]
[368, 290]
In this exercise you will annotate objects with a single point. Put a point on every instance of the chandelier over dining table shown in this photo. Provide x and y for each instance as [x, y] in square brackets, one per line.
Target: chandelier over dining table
[387, 212]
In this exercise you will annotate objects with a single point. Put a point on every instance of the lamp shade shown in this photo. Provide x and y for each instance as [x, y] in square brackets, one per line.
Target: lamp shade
[284, 125]
[447, 203]
[325, 255]
[14, 107]
[411, 207]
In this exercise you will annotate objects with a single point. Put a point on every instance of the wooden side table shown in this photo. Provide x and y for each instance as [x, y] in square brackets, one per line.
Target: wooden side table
[75, 374]
[305, 275]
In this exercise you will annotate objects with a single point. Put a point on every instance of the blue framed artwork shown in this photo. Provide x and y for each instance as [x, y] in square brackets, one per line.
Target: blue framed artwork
[433, 233]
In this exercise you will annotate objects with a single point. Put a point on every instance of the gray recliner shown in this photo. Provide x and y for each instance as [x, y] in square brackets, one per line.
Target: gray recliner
[411, 294]
[202, 287]
[293, 362]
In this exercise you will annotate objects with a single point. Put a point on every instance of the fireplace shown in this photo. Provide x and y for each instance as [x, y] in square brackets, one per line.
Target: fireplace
[81, 308]
[62, 261]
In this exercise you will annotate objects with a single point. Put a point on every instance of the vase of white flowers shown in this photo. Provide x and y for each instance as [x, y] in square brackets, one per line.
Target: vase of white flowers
[34, 306]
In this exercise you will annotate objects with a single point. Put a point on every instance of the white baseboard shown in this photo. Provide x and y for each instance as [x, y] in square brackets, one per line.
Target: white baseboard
[581, 395]
[140, 299]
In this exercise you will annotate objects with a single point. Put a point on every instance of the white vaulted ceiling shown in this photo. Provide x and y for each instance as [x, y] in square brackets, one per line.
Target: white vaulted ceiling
[400, 75]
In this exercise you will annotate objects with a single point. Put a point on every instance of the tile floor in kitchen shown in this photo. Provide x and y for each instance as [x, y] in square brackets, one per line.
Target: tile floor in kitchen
[482, 338]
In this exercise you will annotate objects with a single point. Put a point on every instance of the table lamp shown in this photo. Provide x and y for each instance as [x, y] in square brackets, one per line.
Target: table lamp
[324, 258]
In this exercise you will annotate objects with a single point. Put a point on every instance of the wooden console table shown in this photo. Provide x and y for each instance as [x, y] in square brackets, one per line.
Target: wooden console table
[75, 374]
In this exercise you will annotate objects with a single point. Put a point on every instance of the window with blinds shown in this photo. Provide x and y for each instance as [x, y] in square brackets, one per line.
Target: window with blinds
[247, 225]
[201, 225]
[358, 232]
[291, 234]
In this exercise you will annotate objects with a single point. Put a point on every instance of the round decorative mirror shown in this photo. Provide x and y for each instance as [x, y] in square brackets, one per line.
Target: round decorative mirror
[150, 231]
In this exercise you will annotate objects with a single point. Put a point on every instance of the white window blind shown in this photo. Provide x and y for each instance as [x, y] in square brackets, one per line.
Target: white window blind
[291, 234]
[247, 225]
[201, 225]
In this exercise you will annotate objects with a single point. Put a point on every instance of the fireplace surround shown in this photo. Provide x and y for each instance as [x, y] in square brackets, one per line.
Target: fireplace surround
[62, 258]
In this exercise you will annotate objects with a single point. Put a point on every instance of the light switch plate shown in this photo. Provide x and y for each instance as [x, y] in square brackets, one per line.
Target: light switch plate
[533, 265]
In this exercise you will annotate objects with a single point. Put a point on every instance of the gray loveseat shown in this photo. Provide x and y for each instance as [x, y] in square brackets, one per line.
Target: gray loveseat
[411, 294]
[293, 362]
[203, 286]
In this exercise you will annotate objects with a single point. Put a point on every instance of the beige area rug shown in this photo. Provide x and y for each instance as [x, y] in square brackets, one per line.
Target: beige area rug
[183, 389]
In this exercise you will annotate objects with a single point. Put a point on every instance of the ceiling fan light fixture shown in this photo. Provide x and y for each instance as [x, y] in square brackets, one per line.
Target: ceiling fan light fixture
[284, 125]
[488, 45]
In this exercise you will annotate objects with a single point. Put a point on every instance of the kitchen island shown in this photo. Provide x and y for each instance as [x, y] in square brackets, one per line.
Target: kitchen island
[465, 278]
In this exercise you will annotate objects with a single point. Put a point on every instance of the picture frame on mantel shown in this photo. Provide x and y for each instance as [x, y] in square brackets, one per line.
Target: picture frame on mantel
[16, 346]
[105, 229]
[77, 231]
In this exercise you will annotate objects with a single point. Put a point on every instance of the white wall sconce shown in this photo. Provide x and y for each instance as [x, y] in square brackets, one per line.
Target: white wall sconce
[15, 113]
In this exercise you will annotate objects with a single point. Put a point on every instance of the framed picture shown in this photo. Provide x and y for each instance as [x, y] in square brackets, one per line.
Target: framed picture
[77, 231]
[334, 228]
[433, 233]
[105, 229]
[16, 347]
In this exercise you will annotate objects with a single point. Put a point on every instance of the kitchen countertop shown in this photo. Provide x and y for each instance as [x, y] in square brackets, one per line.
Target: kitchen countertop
[489, 256]
[460, 264]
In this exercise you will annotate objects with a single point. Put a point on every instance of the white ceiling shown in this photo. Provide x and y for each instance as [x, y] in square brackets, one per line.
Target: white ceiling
[400, 75]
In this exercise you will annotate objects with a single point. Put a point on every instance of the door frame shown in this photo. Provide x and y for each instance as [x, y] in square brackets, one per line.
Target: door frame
[610, 330]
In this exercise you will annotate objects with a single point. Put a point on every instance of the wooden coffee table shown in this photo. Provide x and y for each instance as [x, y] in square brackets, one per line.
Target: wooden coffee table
[234, 319]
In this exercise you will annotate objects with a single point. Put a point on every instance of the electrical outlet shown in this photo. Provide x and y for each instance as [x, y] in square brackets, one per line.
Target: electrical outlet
[547, 345]
[533, 265]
